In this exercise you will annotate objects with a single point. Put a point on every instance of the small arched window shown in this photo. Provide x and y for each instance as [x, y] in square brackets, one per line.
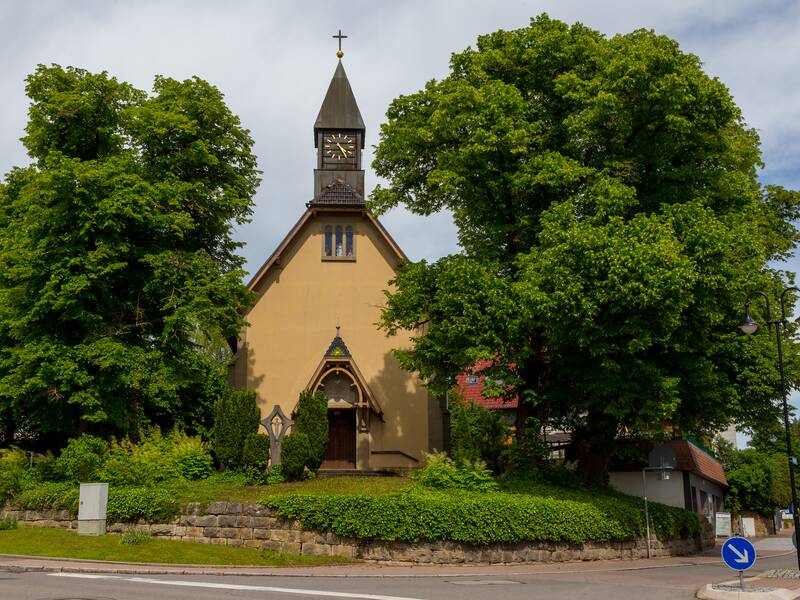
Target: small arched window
[339, 246]
[328, 240]
[348, 241]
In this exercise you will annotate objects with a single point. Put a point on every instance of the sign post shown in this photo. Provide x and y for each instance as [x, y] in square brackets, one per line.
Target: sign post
[738, 554]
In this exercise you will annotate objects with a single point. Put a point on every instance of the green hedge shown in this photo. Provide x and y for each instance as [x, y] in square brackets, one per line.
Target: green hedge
[481, 518]
[126, 504]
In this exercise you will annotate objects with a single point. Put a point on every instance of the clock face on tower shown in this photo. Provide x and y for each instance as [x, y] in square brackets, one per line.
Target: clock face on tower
[339, 147]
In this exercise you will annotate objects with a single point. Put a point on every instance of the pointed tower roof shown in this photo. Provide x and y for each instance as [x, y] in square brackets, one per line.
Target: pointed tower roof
[339, 109]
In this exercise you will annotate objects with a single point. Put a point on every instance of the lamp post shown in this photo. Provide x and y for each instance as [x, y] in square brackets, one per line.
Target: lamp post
[664, 474]
[749, 327]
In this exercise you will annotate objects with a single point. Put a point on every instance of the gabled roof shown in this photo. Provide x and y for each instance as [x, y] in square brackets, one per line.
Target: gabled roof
[338, 358]
[691, 458]
[338, 193]
[274, 258]
[339, 109]
[688, 458]
[471, 384]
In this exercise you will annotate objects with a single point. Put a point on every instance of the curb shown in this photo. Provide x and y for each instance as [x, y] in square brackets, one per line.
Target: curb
[709, 593]
[40, 565]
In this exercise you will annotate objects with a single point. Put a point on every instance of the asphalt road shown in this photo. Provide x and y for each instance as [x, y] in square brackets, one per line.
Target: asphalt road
[584, 582]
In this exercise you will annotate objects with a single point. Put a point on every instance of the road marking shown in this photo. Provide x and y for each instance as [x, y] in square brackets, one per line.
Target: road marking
[233, 586]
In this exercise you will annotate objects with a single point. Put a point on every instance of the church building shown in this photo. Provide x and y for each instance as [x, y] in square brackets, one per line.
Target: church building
[319, 295]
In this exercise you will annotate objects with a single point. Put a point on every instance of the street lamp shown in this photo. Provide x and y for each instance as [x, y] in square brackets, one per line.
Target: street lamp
[663, 474]
[749, 327]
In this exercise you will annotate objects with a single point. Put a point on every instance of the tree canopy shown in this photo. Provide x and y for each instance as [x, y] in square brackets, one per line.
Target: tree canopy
[120, 279]
[612, 223]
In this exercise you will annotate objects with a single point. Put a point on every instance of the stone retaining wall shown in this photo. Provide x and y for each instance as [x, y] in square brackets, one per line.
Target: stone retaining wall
[255, 526]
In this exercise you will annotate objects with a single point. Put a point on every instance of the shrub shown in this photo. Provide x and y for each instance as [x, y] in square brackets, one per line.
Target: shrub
[49, 495]
[312, 420]
[481, 518]
[129, 504]
[255, 455]
[13, 463]
[236, 416]
[82, 459]
[7, 524]
[147, 463]
[442, 472]
[157, 458]
[295, 450]
[477, 433]
[135, 537]
[191, 455]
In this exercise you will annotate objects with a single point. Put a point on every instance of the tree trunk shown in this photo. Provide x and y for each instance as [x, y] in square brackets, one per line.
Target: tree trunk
[594, 443]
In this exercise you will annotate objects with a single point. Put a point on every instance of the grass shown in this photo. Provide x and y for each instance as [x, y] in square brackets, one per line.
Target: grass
[60, 543]
[233, 489]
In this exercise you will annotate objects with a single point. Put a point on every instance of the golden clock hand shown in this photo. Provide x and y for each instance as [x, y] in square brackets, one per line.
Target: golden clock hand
[342, 149]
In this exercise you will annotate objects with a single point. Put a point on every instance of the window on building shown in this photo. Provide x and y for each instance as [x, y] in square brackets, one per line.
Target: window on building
[348, 240]
[339, 242]
[328, 240]
[339, 247]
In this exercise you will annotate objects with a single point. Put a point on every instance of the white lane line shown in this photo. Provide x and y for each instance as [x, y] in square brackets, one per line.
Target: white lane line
[233, 586]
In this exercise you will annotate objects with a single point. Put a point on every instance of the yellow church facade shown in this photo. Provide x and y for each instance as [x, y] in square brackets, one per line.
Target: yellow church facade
[319, 296]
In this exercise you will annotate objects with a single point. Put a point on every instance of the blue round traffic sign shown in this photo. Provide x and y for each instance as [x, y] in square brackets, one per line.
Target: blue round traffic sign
[738, 553]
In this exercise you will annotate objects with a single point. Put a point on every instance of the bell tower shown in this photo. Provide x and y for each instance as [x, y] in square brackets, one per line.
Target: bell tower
[339, 135]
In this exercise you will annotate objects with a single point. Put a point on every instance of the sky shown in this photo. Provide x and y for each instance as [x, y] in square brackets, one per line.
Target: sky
[273, 60]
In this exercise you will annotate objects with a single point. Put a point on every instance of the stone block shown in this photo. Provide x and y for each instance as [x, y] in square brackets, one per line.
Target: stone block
[194, 531]
[226, 521]
[162, 529]
[251, 543]
[244, 521]
[244, 533]
[211, 532]
[217, 508]
[204, 521]
[235, 543]
[264, 522]
[218, 541]
[343, 550]
[272, 545]
[228, 532]
[308, 537]
[262, 534]
[280, 535]
[234, 508]
[255, 510]
[291, 547]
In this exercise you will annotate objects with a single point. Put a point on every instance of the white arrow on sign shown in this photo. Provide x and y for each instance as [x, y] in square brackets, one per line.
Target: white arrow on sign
[741, 558]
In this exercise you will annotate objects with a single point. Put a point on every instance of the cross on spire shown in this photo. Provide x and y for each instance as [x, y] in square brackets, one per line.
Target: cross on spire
[340, 37]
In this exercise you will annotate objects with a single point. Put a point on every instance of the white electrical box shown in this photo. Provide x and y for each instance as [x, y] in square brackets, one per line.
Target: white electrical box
[92, 509]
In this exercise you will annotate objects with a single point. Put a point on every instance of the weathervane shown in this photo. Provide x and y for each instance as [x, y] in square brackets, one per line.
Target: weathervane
[340, 37]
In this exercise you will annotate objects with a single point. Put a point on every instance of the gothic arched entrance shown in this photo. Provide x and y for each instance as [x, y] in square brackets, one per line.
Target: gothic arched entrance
[350, 407]
[343, 394]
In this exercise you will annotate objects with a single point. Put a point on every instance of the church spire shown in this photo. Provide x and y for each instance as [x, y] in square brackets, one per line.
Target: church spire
[339, 109]
[339, 138]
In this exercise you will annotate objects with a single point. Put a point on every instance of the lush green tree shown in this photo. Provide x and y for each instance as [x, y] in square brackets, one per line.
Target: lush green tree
[236, 417]
[311, 419]
[751, 482]
[612, 224]
[120, 278]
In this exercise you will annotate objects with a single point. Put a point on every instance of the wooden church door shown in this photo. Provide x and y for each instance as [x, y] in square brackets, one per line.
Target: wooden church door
[341, 452]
